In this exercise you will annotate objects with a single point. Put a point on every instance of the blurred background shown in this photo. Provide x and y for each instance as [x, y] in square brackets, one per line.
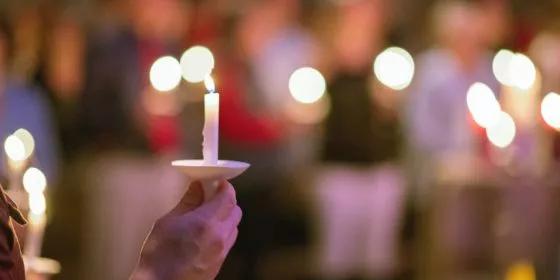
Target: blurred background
[389, 139]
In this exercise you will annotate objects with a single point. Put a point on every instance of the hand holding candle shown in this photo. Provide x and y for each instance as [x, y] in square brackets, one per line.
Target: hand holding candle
[210, 170]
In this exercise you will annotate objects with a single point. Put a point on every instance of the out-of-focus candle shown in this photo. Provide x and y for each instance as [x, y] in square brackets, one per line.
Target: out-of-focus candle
[211, 123]
[36, 228]
[35, 184]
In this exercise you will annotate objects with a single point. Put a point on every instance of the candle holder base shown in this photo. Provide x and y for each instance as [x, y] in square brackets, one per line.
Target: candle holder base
[198, 170]
[41, 266]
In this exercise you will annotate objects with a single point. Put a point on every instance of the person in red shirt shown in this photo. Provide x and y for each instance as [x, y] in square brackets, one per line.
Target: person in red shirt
[190, 242]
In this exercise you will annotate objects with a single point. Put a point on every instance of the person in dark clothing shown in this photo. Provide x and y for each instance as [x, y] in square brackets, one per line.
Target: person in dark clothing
[360, 188]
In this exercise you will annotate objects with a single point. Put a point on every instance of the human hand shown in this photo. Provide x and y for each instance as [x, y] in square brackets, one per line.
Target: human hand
[193, 240]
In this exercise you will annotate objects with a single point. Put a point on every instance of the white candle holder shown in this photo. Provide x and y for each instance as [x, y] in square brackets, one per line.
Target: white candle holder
[41, 268]
[208, 174]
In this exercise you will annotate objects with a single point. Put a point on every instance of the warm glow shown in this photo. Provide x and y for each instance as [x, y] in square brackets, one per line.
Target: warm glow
[196, 64]
[37, 203]
[27, 140]
[165, 73]
[502, 133]
[34, 180]
[209, 83]
[307, 85]
[522, 73]
[521, 271]
[500, 66]
[483, 105]
[14, 148]
[394, 68]
[550, 109]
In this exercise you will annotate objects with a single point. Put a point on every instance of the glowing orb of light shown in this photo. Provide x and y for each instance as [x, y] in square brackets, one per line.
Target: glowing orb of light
[550, 109]
[196, 64]
[34, 180]
[501, 65]
[37, 203]
[522, 72]
[14, 148]
[307, 85]
[394, 68]
[521, 271]
[27, 140]
[502, 133]
[165, 73]
[483, 105]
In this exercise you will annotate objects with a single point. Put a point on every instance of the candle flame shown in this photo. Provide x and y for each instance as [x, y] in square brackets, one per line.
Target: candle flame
[37, 203]
[209, 83]
[27, 139]
[14, 148]
[34, 181]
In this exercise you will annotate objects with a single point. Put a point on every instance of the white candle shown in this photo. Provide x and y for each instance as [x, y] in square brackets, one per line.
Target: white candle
[211, 123]
[35, 183]
[36, 227]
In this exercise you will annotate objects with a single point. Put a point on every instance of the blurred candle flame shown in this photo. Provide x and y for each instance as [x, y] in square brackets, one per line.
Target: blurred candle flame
[37, 203]
[34, 180]
[196, 64]
[502, 133]
[394, 68]
[165, 74]
[14, 148]
[522, 72]
[483, 105]
[27, 140]
[550, 110]
[307, 85]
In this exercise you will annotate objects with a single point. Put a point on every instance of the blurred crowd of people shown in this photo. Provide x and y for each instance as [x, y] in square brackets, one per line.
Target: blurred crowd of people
[369, 182]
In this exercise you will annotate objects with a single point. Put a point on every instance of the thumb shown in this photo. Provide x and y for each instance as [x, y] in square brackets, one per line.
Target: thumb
[192, 199]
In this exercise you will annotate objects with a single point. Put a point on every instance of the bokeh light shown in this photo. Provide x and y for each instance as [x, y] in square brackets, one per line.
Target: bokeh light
[165, 73]
[196, 64]
[14, 148]
[483, 105]
[34, 180]
[501, 65]
[550, 110]
[37, 203]
[502, 133]
[394, 68]
[521, 271]
[522, 72]
[27, 140]
[307, 85]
